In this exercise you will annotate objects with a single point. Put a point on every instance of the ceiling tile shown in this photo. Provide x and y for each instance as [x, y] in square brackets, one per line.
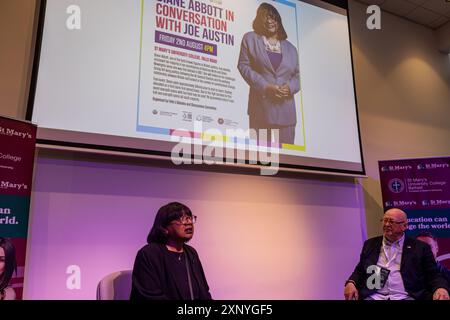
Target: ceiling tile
[419, 2]
[439, 22]
[438, 6]
[445, 24]
[447, 13]
[422, 16]
[399, 7]
[377, 2]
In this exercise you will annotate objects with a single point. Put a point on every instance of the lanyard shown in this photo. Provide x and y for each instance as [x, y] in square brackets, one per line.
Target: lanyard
[191, 292]
[389, 261]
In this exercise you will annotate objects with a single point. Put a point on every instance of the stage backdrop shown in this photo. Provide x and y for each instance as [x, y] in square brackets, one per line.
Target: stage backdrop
[17, 143]
[420, 187]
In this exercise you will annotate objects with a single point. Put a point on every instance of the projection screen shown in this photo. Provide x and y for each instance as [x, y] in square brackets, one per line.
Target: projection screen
[145, 76]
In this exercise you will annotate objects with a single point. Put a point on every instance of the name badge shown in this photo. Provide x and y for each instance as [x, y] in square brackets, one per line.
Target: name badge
[384, 274]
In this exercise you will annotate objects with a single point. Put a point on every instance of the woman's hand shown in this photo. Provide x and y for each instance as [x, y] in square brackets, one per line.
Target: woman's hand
[284, 91]
[279, 92]
[273, 90]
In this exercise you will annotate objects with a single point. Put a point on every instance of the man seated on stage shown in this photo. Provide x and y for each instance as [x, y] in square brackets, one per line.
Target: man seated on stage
[427, 237]
[396, 267]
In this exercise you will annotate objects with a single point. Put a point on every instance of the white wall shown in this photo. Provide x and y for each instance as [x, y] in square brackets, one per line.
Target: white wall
[16, 46]
[403, 92]
[443, 38]
[258, 237]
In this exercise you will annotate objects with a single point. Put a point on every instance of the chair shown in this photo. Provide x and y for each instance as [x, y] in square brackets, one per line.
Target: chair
[115, 286]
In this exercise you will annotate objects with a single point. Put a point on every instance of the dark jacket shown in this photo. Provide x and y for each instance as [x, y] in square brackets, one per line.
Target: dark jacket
[418, 268]
[444, 272]
[152, 281]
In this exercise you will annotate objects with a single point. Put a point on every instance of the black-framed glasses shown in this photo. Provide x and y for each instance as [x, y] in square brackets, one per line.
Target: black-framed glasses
[186, 220]
[391, 221]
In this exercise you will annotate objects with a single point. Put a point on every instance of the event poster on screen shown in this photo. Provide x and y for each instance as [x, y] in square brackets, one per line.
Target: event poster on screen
[188, 65]
[144, 70]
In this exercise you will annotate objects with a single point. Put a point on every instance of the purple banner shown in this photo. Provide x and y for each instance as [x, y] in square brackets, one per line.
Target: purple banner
[416, 183]
[420, 187]
[185, 43]
[17, 145]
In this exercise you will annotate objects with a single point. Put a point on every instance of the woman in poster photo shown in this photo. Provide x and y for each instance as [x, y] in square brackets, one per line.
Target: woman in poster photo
[7, 267]
[268, 62]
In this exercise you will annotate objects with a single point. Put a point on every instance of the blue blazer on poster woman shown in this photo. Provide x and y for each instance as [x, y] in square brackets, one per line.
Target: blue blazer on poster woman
[256, 69]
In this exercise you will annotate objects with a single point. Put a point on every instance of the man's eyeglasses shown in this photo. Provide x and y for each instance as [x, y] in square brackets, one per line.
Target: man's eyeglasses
[186, 219]
[390, 221]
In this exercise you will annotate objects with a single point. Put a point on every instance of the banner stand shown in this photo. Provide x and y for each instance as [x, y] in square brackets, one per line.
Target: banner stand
[17, 152]
[421, 188]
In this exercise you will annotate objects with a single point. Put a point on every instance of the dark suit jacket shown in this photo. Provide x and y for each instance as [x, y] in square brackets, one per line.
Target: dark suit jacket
[256, 69]
[418, 268]
[152, 281]
[444, 272]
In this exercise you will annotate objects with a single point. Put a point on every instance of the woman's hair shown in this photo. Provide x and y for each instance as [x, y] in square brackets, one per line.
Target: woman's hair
[166, 214]
[10, 262]
[258, 23]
